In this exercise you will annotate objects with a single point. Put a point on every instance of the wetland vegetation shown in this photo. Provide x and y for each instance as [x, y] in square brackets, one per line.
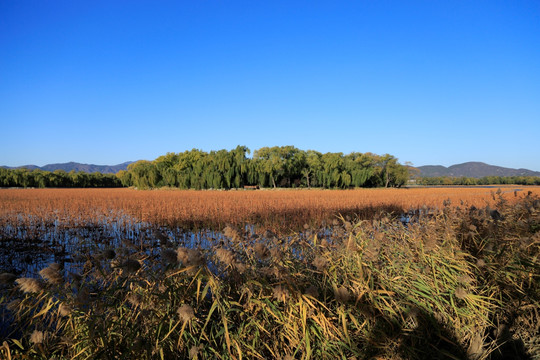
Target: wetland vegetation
[290, 274]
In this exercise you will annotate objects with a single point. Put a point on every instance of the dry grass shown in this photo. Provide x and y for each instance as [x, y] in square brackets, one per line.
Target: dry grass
[281, 210]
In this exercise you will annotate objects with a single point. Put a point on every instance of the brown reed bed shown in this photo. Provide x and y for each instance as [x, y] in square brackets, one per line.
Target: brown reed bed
[460, 282]
[280, 211]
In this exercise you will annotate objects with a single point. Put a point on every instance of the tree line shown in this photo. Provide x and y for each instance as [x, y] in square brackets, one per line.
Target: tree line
[59, 178]
[486, 180]
[278, 166]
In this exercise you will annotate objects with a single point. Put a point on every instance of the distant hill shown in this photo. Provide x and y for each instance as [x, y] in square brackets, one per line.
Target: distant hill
[67, 167]
[474, 170]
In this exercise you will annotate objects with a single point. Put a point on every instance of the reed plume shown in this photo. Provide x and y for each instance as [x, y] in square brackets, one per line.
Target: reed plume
[52, 274]
[29, 285]
[185, 312]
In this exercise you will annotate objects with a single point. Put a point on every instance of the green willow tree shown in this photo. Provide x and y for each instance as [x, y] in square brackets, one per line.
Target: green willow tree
[312, 165]
[278, 166]
[270, 163]
[58, 179]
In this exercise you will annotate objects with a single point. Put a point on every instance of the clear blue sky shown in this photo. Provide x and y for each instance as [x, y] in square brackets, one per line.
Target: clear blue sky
[430, 82]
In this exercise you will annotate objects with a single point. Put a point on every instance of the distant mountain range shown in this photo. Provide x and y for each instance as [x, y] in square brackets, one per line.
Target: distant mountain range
[473, 170]
[67, 167]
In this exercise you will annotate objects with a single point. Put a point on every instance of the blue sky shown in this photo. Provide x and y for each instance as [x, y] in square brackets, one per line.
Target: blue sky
[430, 82]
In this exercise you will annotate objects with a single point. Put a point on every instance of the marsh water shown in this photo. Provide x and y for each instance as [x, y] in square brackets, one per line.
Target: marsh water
[30, 246]
[26, 249]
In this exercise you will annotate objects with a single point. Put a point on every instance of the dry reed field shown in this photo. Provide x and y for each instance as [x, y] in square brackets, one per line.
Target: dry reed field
[423, 273]
[282, 210]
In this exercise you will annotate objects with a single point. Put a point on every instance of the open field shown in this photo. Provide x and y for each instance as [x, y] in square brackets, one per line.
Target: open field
[122, 274]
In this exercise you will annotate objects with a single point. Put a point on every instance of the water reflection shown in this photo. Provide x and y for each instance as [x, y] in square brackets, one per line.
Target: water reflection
[32, 244]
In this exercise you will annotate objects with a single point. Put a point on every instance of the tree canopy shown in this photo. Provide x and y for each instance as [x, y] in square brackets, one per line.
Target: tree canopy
[278, 166]
[23, 177]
